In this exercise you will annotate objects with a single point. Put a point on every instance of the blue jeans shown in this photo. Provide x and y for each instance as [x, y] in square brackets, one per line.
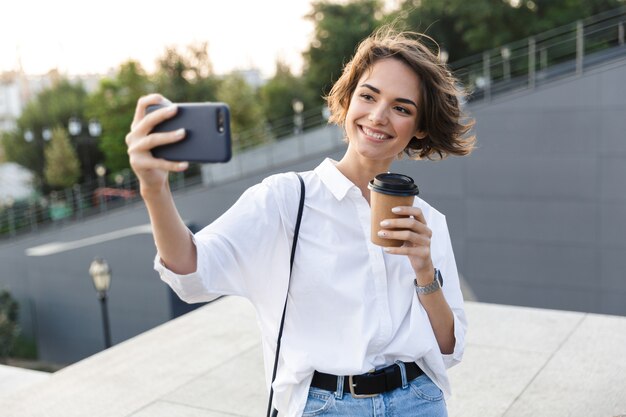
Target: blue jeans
[419, 397]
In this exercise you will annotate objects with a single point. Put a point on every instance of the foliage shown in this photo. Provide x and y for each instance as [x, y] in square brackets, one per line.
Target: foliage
[246, 113]
[277, 96]
[339, 27]
[53, 106]
[465, 28]
[186, 76]
[24, 348]
[62, 168]
[113, 104]
[9, 329]
[3, 137]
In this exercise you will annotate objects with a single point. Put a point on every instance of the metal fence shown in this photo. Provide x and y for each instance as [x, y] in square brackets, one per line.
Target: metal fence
[524, 64]
[563, 51]
[96, 197]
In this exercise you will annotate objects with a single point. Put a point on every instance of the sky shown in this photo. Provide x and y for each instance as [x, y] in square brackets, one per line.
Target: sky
[81, 37]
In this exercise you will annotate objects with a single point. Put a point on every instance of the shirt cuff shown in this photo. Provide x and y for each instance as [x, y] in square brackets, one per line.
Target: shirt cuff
[189, 287]
[456, 356]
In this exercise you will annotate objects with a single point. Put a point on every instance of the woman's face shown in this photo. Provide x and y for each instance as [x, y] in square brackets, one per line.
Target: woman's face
[382, 115]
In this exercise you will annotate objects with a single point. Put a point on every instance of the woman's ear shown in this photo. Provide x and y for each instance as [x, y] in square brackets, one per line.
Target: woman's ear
[420, 134]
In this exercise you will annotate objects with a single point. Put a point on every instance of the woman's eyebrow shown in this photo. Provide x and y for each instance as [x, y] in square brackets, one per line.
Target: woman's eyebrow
[399, 99]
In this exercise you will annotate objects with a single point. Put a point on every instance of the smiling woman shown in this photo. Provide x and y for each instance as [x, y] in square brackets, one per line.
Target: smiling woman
[440, 129]
[380, 122]
[347, 349]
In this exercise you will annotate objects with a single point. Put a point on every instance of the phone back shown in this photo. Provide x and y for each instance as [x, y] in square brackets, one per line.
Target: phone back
[207, 133]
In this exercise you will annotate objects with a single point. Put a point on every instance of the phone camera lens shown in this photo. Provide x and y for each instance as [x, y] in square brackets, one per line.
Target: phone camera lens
[220, 121]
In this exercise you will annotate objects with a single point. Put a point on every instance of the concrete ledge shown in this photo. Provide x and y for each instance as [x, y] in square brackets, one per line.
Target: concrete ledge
[519, 362]
[13, 379]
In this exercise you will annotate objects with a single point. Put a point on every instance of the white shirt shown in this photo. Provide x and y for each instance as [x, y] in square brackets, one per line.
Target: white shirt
[352, 307]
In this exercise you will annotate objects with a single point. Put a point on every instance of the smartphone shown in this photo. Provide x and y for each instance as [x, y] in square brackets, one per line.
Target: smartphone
[207, 133]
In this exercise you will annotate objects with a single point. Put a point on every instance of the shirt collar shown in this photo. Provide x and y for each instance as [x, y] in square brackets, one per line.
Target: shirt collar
[334, 180]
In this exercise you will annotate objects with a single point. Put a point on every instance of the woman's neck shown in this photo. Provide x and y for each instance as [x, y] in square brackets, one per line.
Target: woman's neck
[361, 172]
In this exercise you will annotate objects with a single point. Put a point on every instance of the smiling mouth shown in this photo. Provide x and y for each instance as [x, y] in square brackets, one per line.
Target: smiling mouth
[373, 134]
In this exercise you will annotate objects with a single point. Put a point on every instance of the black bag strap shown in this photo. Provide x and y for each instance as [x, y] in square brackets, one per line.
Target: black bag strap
[270, 411]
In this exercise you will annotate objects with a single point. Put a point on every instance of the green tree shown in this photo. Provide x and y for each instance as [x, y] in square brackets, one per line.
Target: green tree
[186, 75]
[53, 106]
[339, 27]
[465, 28]
[246, 113]
[4, 136]
[547, 14]
[62, 168]
[277, 96]
[113, 104]
[9, 329]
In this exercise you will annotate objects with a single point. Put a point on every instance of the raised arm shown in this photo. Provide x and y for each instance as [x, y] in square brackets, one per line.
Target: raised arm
[171, 236]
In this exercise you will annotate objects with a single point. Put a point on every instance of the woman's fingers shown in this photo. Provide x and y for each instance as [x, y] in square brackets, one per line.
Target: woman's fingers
[145, 143]
[410, 211]
[407, 223]
[414, 223]
[144, 126]
[415, 239]
[411, 251]
[143, 103]
[143, 163]
[412, 230]
[415, 233]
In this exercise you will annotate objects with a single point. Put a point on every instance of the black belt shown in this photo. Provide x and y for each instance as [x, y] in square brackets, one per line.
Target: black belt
[369, 384]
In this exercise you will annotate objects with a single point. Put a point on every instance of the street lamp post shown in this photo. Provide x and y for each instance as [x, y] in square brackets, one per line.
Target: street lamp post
[101, 276]
[46, 134]
[29, 136]
[298, 106]
[11, 215]
[505, 52]
[38, 141]
[85, 144]
[101, 172]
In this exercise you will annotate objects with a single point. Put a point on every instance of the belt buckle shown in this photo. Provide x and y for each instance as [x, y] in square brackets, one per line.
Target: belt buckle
[354, 394]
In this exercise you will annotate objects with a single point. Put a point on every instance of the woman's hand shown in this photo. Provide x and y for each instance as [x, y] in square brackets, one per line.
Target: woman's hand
[416, 236]
[152, 172]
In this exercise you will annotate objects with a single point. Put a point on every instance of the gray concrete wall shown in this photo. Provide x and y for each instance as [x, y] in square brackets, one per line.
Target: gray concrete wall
[536, 216]
[58, 304]
[545, 196]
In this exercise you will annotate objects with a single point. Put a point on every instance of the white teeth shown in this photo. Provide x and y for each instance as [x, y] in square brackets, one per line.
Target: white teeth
[379, 136]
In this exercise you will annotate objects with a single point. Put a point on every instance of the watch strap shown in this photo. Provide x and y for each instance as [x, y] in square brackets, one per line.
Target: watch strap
[432, 287]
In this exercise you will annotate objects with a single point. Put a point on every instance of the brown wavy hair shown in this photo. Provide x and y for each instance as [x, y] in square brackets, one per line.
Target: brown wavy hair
[439, 115]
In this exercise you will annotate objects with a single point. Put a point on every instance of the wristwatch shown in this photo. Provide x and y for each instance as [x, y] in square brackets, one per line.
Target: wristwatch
[432, 287]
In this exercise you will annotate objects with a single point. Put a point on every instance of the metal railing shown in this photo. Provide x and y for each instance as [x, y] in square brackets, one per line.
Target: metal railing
[99, 196]
[76, 203]
[524, 64]
[563, 51]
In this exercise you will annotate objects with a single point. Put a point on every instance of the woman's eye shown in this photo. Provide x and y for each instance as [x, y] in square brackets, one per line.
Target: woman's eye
[367, 97]
[402, 110]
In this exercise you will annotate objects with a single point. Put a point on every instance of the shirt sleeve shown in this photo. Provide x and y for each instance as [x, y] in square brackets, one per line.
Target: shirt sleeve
[240, 253]
[452, 293]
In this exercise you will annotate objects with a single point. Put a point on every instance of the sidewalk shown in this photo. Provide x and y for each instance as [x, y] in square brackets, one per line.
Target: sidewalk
[518, 362]
[13, 379]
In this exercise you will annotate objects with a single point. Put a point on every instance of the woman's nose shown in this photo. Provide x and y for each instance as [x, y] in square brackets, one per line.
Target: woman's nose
[378, 115]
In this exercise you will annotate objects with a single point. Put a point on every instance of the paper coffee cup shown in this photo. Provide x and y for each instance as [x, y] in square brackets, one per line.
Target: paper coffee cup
[388, 191]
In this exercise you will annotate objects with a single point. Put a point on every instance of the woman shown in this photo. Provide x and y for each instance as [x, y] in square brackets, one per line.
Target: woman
[353, 307]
